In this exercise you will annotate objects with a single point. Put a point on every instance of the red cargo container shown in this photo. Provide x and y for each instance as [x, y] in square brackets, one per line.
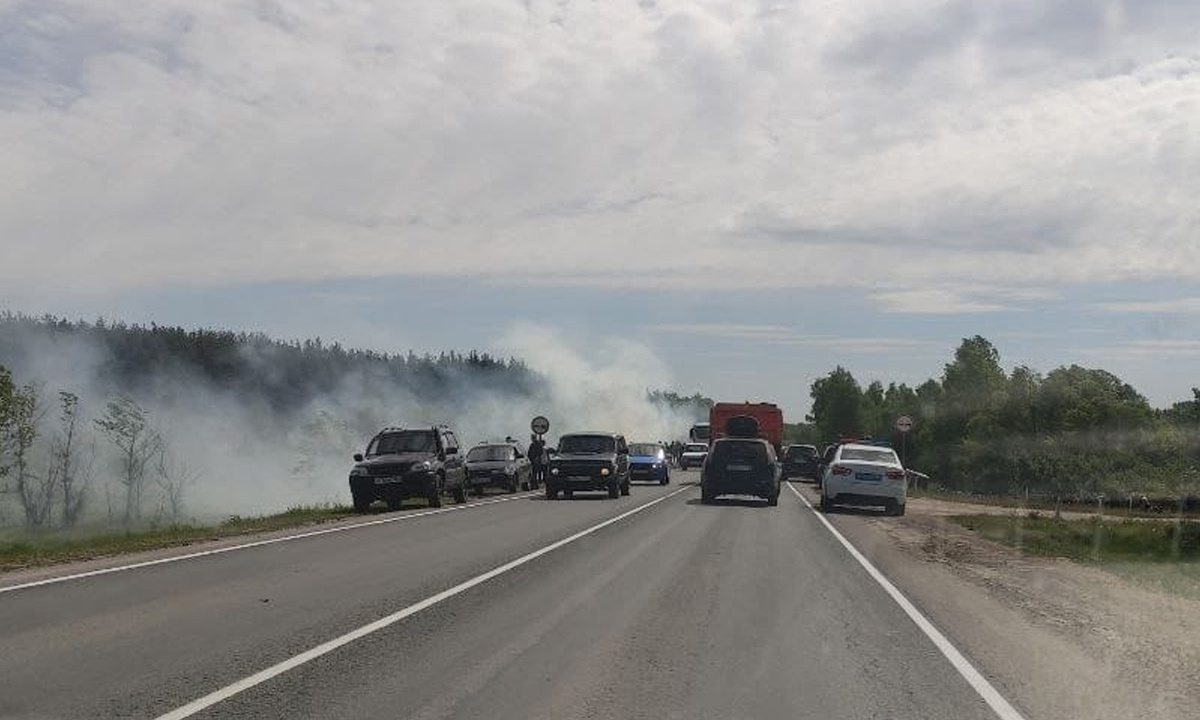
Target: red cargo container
[768, 415]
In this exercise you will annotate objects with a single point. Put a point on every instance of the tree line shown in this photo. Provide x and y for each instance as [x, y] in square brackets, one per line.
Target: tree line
[1073, 432]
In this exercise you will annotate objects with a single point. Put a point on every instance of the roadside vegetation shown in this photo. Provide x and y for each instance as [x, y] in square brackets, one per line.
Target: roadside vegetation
[22, 549]
[1073, 436]
[1091, 539]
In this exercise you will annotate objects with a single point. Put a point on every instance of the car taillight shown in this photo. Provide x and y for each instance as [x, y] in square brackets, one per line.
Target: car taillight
[839, 470]
[895, 475]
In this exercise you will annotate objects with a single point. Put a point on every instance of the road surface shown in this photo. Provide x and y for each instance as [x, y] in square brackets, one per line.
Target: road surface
[591, 608]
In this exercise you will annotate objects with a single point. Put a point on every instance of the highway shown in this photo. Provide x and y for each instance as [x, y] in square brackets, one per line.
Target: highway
[650, 606]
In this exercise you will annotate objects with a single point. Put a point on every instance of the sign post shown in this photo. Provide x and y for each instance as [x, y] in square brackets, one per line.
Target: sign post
[540, 426]
[904, 424]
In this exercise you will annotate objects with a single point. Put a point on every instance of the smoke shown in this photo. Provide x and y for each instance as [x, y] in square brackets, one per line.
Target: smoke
[249, 458]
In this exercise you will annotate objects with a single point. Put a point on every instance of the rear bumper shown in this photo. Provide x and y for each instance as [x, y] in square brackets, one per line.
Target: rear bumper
[864, 493]
[725, 484]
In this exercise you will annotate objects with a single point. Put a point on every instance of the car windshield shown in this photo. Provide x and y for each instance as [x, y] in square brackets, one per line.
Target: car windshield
[646, 449]
[886, 457]
[695, 448]
[408, 441]
[586, 445]
[795, 453]
[739, 450]
[490, 453]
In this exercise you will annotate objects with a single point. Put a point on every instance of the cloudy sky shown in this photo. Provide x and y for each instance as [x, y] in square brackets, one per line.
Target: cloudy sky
[754, 189]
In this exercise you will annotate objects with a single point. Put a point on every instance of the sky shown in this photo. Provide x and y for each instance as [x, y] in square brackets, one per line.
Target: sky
[755, 190]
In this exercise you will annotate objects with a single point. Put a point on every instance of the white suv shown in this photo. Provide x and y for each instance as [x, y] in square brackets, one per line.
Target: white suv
[865, 475]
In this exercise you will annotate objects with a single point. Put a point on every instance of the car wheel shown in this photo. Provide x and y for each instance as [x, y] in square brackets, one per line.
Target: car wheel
[433, 493]
[666, 479]
[773, 500]
[525, 486]
[512, 484]
[569, 494]
[706, 497]
[395, 503]
[551, 493]
[826, 506]
[362, 503]
[900, 509]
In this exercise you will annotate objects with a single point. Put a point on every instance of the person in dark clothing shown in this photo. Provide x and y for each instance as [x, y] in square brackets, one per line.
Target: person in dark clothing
[537, 458]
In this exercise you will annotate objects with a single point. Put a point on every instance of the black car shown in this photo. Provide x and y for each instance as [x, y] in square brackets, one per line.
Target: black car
[402, 463]
[501, 465]
[740, 466]
[799, 461]
[589, 461]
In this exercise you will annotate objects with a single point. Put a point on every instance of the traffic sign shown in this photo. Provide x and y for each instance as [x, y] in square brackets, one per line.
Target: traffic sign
[540, 425]
[904, 423]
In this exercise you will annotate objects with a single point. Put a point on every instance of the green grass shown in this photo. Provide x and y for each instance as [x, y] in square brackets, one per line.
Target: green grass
[29, 549]
[1091, 540]
[1042, 503]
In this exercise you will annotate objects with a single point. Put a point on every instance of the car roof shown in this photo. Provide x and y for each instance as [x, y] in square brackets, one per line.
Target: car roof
[861, 446]
[742, 439]
[601, 433]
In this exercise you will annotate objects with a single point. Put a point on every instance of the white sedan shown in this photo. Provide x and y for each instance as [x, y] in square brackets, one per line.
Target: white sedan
[865, 475]
[694, 455]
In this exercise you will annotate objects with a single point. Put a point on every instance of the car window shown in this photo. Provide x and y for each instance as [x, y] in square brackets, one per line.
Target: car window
[586, 444]
[866, 455]
[731, 450]
[644, 449]
[481, 453]
[403, 442]
[697, 447]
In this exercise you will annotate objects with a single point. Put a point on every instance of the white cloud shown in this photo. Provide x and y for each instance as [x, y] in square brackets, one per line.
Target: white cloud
[780, 335]
[1149, 349]
[1011, 147]
[1177, 305]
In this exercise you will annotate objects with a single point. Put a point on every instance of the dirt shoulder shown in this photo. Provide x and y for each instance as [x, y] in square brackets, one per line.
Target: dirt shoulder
[1059, 639]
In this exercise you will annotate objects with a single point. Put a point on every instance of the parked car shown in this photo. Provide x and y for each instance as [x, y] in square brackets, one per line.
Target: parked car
[865, 475]
[402, 463]
[693, 455]
[501, 465]
[648, 461]
[800, 461]
[741, 466]
[589, 461]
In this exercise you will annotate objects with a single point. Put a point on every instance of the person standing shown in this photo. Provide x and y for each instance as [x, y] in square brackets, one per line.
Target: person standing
[537, 458]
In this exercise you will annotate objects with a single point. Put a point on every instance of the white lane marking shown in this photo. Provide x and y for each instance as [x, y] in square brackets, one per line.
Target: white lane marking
[327, 647]
[254, 544]
[974, 678]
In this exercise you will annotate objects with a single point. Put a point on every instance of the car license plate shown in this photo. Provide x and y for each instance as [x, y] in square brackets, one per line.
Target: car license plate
[869, 477]
[386, 480]
[738, 468]
[579, 478]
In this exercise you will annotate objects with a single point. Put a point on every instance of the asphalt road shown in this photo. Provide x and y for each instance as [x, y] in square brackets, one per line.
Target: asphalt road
[678, 610]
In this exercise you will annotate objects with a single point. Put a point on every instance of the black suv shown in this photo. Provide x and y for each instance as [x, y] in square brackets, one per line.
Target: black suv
[800, 461]
[589, 461]
[402, 463]
[740, 466]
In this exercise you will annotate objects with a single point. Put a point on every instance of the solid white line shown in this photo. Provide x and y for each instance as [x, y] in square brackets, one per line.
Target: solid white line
[254, 544]
[974, 678]
[327, 647]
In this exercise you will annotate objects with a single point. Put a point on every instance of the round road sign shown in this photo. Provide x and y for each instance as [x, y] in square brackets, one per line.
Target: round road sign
[904, 423]
[540, 425]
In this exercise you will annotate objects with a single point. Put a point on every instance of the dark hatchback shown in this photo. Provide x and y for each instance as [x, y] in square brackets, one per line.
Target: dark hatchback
[740, 466]
[800, 461]
[589, 461]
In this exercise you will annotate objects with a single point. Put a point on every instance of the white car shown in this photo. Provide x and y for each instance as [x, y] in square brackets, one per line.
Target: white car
[693, 455]
[865, 475]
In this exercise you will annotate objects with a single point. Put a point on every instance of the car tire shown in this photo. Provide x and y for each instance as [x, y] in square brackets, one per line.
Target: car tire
[395, 503]
[900, 509]
[362, 503]
[666, 479]
[568, 494]
[525, 487]
[551, 493]
[460, 493]
[706, 497]
[826, 506]
[512, 484]
[773, 501]
[433, 493]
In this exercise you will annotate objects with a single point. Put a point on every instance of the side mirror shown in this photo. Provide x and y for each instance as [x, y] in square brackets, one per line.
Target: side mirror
[358, 457]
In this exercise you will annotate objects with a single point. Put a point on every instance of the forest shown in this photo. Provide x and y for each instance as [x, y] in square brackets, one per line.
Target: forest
[1073, 433]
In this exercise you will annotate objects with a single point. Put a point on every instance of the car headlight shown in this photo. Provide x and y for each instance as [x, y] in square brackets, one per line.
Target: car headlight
[658, 464]
[553, 471]
[605, 471]
[423, 466]
[358, 471]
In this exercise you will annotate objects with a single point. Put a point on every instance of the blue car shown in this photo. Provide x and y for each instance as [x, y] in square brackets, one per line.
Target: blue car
[648, 462]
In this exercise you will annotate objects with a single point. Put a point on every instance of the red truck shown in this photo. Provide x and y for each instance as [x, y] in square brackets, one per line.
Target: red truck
[768, 415]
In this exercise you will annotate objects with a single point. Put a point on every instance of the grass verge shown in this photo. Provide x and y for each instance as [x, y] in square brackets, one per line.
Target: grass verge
[1045, 504]
[31, 549]
[1091, 539]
